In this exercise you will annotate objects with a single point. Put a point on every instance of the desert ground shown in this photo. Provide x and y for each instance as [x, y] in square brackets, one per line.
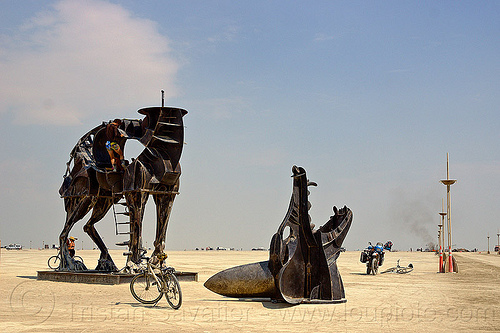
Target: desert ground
[421, 301]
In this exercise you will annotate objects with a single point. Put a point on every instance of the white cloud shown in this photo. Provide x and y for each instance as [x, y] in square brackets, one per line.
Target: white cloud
[228, 35]
[82, 58]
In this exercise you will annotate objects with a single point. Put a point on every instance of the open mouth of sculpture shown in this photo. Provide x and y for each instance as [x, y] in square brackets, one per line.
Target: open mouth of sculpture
[302, 260]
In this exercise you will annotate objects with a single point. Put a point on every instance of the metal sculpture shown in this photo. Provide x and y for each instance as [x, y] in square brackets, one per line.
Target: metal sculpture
[91, 183]
[302, 264]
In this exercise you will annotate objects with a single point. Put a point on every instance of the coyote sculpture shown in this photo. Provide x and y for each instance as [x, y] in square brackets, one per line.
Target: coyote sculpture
[91, 183]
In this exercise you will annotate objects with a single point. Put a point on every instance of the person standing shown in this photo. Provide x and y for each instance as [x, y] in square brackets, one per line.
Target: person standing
[71, 246]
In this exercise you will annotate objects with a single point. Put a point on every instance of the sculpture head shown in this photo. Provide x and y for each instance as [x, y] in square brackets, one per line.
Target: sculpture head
[302, 261]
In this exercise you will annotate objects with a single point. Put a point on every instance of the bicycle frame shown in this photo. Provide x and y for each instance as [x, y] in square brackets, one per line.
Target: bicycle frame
[399, 269]
[150, 267]
[153, 281]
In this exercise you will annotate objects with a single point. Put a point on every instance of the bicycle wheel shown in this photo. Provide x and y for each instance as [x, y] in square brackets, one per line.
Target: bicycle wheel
[54, 262]
[173, 291]
[145, 289]
[78, 258]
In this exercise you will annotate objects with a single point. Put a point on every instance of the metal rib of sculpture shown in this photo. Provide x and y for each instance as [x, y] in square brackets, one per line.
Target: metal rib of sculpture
[302, 265]
[91, 183]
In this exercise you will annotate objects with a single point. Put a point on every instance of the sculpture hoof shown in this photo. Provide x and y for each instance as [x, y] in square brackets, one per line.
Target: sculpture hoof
[72, 265]
[106, 265]
[80, 266]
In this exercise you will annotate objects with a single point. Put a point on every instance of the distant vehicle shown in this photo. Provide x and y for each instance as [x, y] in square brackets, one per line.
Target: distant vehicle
[459, 250]
[14, 247]
[259, 249]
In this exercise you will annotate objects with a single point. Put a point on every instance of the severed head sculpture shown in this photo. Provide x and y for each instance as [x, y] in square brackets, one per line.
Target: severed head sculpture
[302, 264]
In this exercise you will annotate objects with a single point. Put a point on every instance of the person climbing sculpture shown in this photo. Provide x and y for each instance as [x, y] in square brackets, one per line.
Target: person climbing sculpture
[114, 150]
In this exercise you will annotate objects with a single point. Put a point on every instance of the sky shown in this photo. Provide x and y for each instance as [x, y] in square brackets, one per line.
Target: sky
[368, 97]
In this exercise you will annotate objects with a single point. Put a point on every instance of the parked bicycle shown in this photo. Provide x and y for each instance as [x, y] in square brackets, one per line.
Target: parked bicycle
[154, 281]
[55, 261]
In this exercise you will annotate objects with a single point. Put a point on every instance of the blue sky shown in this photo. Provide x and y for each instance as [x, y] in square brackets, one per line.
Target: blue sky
[367, 96]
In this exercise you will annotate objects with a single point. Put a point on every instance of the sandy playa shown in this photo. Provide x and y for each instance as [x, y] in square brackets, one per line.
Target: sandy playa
[420, 301]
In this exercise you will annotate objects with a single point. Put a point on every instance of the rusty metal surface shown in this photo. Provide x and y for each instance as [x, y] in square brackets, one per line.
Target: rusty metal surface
[302, 265]
[246, 281]
[91, 184]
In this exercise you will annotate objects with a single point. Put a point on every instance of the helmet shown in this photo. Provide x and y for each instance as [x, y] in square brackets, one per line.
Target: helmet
[72, 238]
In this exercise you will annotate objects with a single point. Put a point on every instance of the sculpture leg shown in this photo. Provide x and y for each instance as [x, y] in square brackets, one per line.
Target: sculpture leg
[101, 207]
[164, 203]
[76, 208]
[136, 202]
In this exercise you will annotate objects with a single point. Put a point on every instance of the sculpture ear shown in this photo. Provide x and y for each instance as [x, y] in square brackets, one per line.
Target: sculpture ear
[335, 210]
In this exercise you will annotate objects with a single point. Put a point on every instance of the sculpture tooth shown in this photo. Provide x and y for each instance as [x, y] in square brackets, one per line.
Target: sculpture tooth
[251, 280]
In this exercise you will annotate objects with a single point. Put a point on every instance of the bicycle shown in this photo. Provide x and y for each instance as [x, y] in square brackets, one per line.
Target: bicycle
[154, 281]
[399, 270]
[55, 261]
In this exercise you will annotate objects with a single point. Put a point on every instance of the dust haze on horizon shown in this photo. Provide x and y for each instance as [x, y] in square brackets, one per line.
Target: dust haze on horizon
[367, 97]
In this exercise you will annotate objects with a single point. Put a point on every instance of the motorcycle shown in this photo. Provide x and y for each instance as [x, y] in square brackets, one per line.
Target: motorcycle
[373, 256]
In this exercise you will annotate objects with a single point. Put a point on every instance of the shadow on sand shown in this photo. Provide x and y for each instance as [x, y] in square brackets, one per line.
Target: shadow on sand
[266, 302]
